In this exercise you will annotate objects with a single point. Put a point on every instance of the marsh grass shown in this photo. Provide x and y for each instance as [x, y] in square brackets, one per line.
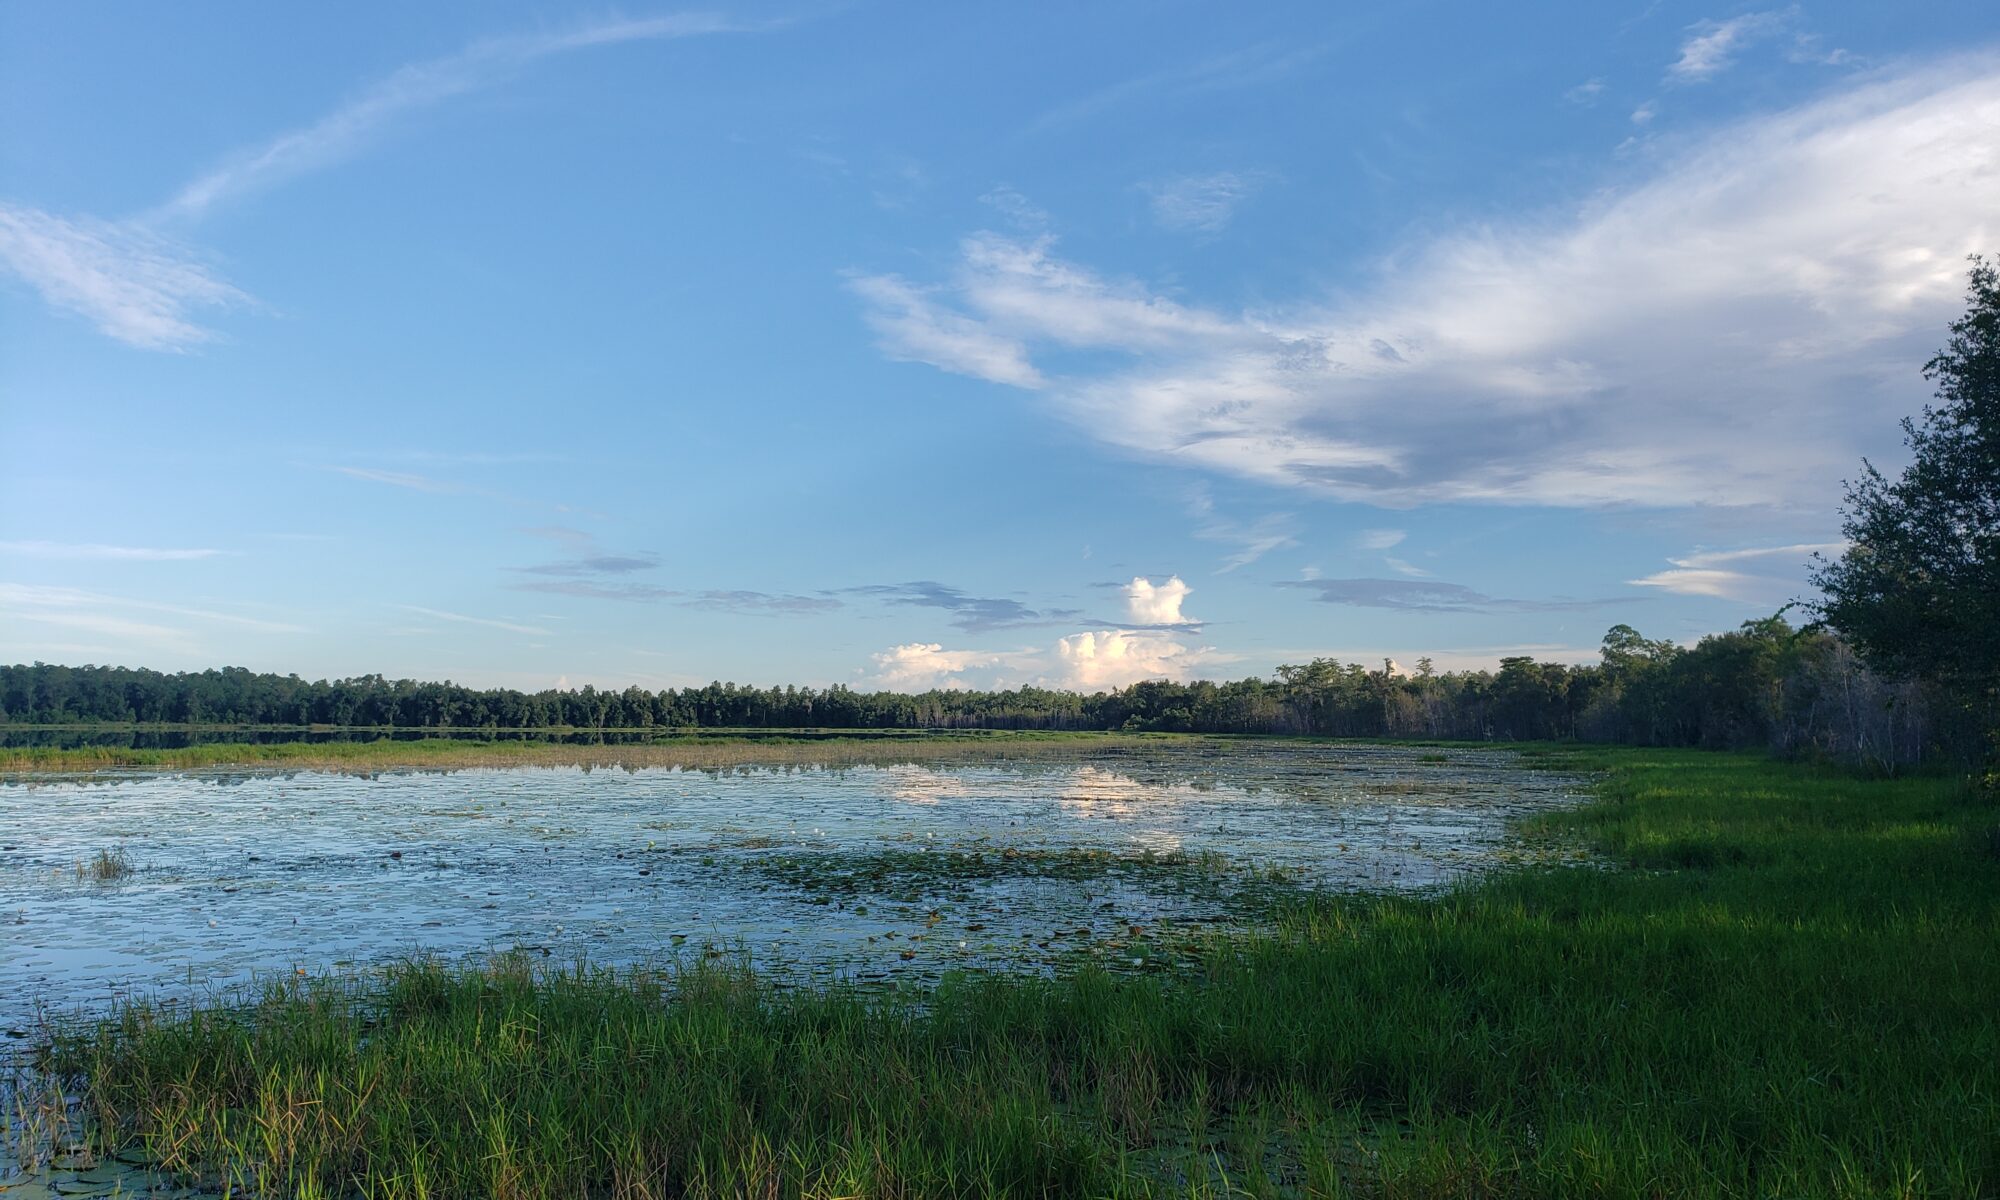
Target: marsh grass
[1787, 989]
[720, 752]
[108, 866]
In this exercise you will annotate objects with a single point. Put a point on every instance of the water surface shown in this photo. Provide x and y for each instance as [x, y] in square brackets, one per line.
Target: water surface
[871, 872]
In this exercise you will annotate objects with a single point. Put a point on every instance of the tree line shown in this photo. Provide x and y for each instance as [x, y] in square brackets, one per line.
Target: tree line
[1766, 684]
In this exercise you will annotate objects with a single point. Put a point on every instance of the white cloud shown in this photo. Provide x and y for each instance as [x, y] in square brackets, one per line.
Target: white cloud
[1728, 330]
[1712, 45]
[1405, 568]
[911, 328]
[920, 666]
[1644, 114]
[113, 617]
[1586, 93]
[1115, 658]
[1200, 203]
[134, 285]
[1148, 603]
[1272, 531]
[87, 550]
[488, 622]
[402, 479]
[1704, 573]
[342, 132]
[141, 287]
[1020, 212]
[1380, 539]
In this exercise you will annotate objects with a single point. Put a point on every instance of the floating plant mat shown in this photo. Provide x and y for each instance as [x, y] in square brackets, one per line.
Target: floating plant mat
[145, 884]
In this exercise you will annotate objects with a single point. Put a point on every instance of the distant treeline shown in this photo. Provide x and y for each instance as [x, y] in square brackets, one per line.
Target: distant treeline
[1766, 684]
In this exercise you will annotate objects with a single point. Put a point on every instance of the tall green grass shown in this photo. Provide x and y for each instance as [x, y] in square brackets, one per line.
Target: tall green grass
[1783, 984]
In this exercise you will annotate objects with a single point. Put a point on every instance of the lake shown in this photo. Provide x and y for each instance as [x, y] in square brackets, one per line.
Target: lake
[878, 873]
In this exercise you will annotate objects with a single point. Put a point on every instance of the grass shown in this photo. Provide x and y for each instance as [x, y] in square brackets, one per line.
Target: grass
[707, 752]
[109, 866]
[1784, 986]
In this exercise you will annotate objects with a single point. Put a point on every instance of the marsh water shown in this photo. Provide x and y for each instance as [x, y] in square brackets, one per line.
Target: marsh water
[811, 870]
[884, 874]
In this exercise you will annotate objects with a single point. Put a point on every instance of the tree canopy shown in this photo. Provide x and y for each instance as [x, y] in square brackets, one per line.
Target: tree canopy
[1918, 589]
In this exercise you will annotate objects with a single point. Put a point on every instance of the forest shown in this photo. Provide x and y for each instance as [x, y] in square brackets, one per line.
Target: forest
[1802, 692]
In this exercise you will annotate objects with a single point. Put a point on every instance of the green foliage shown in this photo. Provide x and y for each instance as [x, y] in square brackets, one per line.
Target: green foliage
[1918, 589]
[1761, 685]
[1780, 983]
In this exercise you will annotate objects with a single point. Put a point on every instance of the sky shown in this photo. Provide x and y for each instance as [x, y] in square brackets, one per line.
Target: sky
[910, 345]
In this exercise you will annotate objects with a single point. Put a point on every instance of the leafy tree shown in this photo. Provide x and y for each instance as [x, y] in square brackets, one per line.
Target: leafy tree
[1918, 589]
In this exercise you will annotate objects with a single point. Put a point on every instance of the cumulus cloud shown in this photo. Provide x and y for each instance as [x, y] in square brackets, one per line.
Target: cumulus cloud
[1726, 330]
[1114, 658]
[1148, 603]
[920, 666]
[1721, 573]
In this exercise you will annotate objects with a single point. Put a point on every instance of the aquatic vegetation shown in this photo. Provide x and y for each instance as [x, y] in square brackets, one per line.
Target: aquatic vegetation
[107, 866]
[1784, 988]
[720, 751]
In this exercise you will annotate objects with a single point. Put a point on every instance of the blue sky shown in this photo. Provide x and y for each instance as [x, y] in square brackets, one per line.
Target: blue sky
[913, 345]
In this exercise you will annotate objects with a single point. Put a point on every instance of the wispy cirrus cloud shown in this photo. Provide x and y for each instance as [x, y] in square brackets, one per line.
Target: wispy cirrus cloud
[144, 288]
[1723, 329]
[1418, 595]
[99, 552]
[133, 624]
[1711, 46]
[1201, 203]
[404, 479]
[1721, 573]
[137, 286]
[1252, 539]
[347, 129]
[1250, 66]
[712, 600]
[911, 326]
[464, 619]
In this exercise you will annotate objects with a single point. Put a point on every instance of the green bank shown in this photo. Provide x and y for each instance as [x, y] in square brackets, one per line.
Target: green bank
[1768, 980]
